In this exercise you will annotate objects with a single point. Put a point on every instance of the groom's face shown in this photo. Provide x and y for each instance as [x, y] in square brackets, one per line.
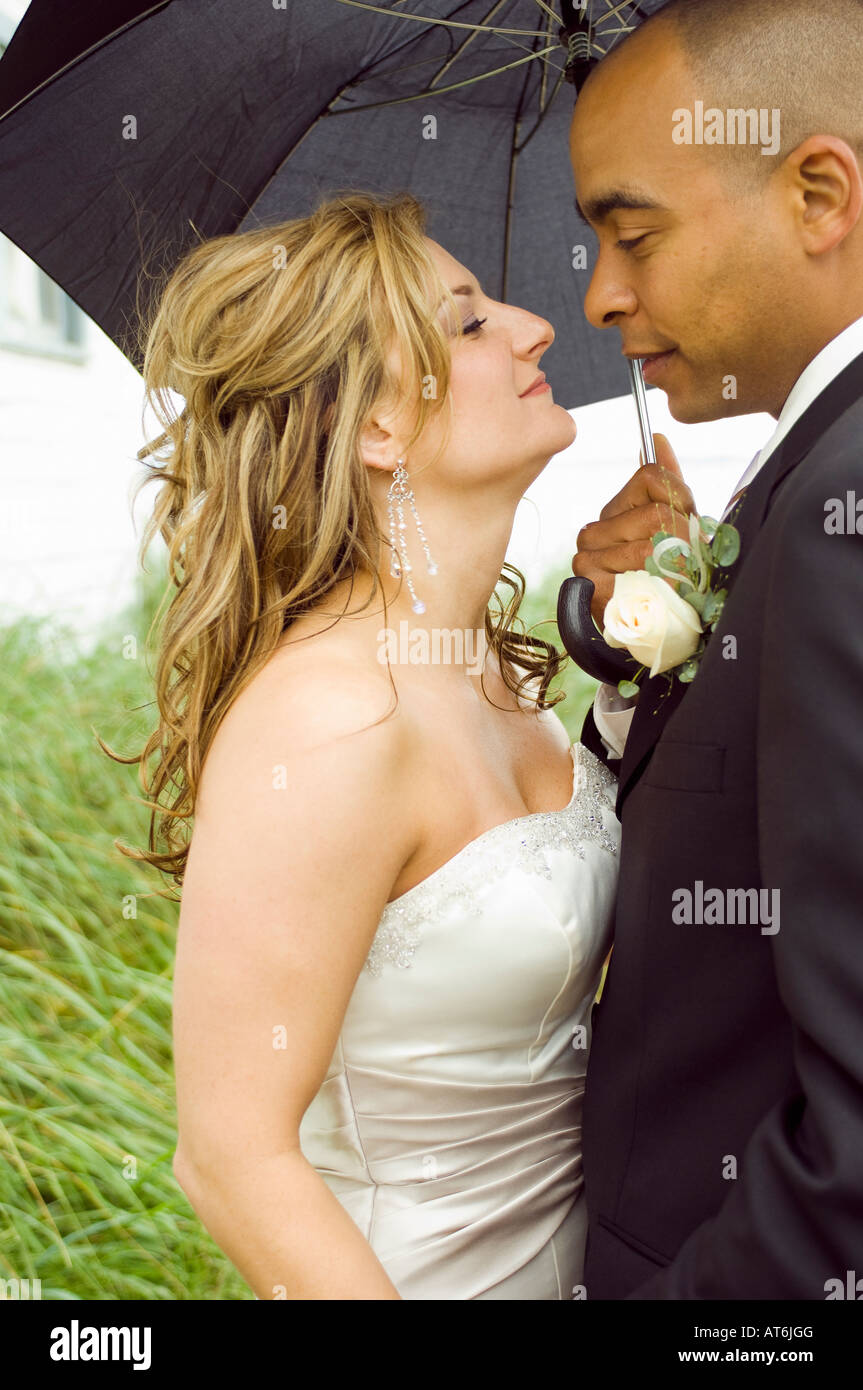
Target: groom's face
[692, 264]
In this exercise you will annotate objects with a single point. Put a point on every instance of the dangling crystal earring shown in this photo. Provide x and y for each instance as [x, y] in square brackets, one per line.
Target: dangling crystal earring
[398, 494]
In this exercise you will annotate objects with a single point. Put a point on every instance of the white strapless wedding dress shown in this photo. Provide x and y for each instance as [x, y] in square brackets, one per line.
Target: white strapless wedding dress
[449, 1123]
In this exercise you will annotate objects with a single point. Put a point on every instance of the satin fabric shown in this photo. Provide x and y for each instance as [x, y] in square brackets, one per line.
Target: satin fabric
[449, 1122]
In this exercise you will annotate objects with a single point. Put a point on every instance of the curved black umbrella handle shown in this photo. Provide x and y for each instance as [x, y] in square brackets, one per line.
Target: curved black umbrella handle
[582, 638]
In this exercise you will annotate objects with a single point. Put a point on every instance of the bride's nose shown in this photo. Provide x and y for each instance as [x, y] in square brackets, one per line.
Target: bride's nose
[532, 335]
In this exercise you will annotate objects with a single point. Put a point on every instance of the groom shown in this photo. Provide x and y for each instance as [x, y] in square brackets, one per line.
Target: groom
[723, 1121]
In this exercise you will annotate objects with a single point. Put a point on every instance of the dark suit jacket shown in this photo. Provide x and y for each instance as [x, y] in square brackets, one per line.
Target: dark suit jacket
[723, 1119]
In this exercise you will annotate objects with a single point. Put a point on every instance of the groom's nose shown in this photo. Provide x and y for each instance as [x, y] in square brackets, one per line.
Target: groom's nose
[609, 297]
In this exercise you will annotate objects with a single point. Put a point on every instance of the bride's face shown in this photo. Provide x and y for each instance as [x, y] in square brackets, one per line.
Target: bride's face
[499, 430]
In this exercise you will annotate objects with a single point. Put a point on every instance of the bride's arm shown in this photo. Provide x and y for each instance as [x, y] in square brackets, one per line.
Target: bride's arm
[299, 835]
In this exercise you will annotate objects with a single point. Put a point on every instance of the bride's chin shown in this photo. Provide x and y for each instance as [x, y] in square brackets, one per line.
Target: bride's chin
[568, 429]
[559, 433]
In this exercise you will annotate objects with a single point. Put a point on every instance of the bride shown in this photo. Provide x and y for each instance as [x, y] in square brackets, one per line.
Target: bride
[397, 894]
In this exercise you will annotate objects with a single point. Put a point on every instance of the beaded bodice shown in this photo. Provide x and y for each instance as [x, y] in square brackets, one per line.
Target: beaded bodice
[524, 840]
[449, 1121]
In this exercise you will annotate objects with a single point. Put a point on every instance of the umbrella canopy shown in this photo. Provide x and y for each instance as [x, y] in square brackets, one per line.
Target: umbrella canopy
[128, 131]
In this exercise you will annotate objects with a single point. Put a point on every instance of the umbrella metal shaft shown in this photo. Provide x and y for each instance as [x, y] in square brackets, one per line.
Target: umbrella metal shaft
[639, 396]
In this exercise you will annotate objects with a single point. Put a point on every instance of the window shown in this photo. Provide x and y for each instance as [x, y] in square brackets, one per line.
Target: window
[35, 314]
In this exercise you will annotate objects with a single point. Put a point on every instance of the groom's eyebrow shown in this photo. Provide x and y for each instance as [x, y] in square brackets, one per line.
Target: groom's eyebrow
[631, 199]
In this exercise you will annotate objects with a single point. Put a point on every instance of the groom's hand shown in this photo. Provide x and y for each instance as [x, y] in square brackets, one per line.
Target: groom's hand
[655, 499]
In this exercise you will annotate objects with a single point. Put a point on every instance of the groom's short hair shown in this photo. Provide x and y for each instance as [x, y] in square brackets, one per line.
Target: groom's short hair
[802, 57]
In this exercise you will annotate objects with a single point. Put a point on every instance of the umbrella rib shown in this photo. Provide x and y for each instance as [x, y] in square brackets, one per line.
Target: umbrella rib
[543, 87]
[424, 62]
[613, 12]
[549, 11]
[325, 111]
[486, 27]
[444, 23]
[467, 41]
[515, 150]
[475, 30]
[449, 62]
[542, 115]
[94, 48]
[483, 27]
[453, 86]
[543, 81]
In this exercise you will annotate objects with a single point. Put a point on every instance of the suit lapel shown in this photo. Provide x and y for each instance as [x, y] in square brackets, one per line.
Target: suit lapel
[656, 702]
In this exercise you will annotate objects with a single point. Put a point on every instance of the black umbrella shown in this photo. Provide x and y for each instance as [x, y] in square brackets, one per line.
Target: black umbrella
[129, 130]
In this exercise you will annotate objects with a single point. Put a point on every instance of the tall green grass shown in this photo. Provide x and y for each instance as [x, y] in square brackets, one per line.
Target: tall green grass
[88, 1200]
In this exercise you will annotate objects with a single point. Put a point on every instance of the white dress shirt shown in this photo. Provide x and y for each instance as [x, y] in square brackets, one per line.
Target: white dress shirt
[612, 714]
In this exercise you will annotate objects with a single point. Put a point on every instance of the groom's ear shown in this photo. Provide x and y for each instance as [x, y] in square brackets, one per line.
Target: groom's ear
[828, 191]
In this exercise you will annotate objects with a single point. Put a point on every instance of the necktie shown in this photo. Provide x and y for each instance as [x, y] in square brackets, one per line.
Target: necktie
[735, 499]
[749, 474]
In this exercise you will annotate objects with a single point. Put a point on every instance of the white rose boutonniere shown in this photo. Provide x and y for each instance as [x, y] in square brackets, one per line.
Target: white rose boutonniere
[664, 613]
[647, 618]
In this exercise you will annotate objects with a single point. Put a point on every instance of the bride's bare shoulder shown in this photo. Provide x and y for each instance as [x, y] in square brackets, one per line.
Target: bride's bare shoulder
[308, 700]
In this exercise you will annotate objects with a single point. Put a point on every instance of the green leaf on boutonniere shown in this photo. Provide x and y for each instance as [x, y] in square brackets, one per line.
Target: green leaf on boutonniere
[709, 526]
[713, 604]
[720, 596]
[726, 545]
[687, 672]
[697, 600]
[628, 689]
[660, 536]
[652, 567]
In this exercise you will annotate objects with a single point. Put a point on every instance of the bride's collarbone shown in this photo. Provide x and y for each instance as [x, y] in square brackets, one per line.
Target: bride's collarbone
[494, 765]
[462, 801]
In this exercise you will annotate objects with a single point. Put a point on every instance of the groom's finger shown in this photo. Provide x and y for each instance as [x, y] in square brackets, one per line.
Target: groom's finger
[622, 542]
[656, 498]
[601, 566]
[634, 524]
[615, 559]
[651, 484]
